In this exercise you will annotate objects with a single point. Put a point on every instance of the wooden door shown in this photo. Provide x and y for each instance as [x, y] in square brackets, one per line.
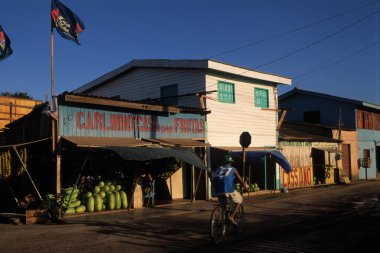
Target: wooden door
[346, 159]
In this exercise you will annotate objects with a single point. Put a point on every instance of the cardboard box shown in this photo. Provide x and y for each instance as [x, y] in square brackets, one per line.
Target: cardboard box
[35, 216]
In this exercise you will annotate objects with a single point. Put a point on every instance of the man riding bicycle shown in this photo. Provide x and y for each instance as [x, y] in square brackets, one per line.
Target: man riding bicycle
[223, 182]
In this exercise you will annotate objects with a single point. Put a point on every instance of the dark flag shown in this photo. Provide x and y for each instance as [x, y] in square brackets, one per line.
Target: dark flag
[5, 45]
[65, 21]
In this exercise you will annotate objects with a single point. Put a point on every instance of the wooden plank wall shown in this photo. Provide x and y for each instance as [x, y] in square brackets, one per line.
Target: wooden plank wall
[13, 108]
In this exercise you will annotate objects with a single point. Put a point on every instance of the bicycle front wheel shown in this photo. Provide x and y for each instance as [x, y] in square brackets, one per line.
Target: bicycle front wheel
[239, 217]
[217, 225]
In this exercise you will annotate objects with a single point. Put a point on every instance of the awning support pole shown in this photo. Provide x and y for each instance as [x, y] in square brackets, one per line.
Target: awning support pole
[249, 180]
[80, 173]
[265, 172]
[244, 160]
[27, 172]
[133, 188]
[196, 187]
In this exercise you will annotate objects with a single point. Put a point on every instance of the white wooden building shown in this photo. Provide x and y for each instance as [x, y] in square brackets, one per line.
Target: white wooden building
[240, 99]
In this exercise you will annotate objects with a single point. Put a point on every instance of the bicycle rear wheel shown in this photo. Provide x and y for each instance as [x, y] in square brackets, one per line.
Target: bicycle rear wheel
[217, 225]
[239, 217]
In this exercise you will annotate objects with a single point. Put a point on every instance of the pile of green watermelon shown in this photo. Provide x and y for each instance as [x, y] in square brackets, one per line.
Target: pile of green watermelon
[254, 188]
[71, 201]
[104, 196]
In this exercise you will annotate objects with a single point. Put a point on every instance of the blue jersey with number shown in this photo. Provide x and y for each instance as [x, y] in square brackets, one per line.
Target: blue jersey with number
[223, 180]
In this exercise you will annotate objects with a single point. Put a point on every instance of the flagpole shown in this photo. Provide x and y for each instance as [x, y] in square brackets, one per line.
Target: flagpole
[53, 123]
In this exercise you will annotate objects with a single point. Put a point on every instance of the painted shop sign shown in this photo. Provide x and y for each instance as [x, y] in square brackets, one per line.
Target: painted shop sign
[75, 121]
[298, 177]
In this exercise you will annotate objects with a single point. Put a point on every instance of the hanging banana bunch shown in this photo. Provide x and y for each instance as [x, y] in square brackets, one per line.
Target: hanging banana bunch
[24, 158]
[5, 164]
[9, 163]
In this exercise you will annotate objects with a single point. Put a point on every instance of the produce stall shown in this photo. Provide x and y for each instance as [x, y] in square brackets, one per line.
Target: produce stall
[103, 148]
[113, 173]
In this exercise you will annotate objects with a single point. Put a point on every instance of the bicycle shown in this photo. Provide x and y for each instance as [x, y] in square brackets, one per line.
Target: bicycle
[219, 222]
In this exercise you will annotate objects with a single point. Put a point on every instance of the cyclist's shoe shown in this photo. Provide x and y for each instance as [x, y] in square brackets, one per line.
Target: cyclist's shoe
[232, 220]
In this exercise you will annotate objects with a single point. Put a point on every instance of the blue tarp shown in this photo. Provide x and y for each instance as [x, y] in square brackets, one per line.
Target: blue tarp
[253, 156]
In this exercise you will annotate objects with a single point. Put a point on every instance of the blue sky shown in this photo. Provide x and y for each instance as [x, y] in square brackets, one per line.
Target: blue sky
[343, 63]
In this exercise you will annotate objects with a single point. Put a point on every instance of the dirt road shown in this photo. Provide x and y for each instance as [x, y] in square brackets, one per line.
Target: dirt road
[326, 219]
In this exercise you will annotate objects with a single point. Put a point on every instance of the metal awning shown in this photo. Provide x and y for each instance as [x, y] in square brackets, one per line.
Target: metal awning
[151, 153]
[178, 142]
[137, 150]
[259, 154]
[328, 149]
[105, 141]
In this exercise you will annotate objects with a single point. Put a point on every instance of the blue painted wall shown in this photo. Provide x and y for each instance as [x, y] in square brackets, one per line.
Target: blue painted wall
[329, 110]
[367, 139]
[82, 121]
[329, 113]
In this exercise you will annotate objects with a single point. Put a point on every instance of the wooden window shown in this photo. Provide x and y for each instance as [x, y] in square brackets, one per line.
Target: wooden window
[364, 119]
[313, 117]
[366, 153]
[368, 120]
[376, 122]
[226, 92]
[169, 94]
[359, 119]
[261, 98]
[366, 158]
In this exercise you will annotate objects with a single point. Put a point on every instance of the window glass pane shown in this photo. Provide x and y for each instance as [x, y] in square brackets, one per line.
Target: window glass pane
[226, 92]
[261, 98]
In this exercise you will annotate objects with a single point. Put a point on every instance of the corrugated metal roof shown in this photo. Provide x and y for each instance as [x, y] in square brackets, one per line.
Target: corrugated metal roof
[295, 135]
[106, 141]
[187, 64]
[178, 142]
[327, 96]
[146, 104]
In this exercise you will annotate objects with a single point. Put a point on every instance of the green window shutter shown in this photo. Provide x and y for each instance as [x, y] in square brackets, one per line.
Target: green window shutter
[169, 94]
[261, 98]
[226, 92]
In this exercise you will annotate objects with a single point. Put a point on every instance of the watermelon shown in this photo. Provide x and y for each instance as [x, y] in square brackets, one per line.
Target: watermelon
[96, 189]
[111, 201]
[112, 188]
[104, 207]
[124, 201]
[101, 184]
[70, 190]
[74, 203]
[70, 210]
[102, 194]
[72, 197]
[117, 200]
[90, 204]
[80, 209]
[108, 182]
[50, 196]
[98, 203]
[117, 187]
[106, 188]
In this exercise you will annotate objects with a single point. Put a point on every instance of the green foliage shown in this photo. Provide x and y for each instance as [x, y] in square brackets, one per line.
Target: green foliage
[16, 94]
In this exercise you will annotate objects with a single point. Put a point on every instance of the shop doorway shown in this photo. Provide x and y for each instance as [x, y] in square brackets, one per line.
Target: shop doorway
[318, 157]
[346, 160]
